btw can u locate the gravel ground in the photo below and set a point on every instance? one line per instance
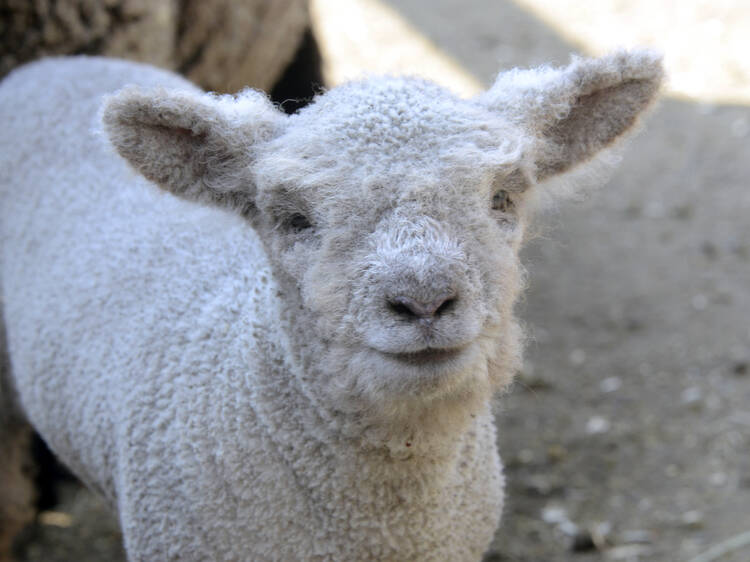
(627, 435)
(631, 418)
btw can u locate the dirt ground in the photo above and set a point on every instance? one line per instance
(627, 436)
(632, 414)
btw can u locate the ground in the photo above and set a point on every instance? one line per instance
(632, 413)
(626, 437)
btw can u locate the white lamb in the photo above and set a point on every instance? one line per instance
(290, 350)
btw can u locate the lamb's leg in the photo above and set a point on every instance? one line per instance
(16, 483)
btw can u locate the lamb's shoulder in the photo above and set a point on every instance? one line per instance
(232, 492)
(94, 254)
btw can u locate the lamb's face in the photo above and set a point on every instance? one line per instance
(392, 211)
(397, 211)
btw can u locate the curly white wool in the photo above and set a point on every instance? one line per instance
(294, 358)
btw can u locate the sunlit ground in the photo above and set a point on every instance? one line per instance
(706, 43)
(358, 37)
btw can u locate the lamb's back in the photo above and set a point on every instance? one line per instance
(127, 310)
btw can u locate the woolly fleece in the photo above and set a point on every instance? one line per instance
(294, 357)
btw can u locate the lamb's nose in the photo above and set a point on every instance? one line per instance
(413, 309)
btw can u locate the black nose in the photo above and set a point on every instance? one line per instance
(412, 309)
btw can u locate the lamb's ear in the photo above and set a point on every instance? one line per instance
(578, 110)
(197, 146)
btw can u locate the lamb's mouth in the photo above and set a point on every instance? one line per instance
(427, 356)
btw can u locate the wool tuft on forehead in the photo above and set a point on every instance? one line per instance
(390, 126)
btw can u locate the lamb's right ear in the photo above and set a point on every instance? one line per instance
(197, 146)
(574, 112)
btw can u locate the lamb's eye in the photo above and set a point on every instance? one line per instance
(298, 222)
(501, 201)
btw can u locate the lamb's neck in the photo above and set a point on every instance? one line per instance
(406, 457)
(327, 448)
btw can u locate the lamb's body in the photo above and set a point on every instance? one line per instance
(230, 396)
(203, 443)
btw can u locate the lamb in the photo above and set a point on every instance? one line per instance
(290, 350)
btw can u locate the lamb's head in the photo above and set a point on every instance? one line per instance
(391, 210)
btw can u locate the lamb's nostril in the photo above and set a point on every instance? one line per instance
(411, 309)
(445, 306)
(403, 306)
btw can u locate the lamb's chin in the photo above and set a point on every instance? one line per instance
(429, 359)
(428, 372)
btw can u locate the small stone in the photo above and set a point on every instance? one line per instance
(628, 552)
(655, 210)
(526, 456)
(568, 528)
(554, 514)
(601, 534)
(645, 504)
(556, 453)
(577, 357)
(538, 485)
(718, 478)
(691, 396)
(692, 519)
(699, 302)
(637, 536)
(740, 368)
(597, 425)
(558, 516)
(610, 384)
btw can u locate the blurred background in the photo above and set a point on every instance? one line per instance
(627, 434)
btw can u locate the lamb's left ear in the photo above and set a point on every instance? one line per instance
(578, 110)
(197, 146)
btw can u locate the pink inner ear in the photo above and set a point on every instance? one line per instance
(186, 133)
(597, 120)
(180, 134)
(183, 132)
